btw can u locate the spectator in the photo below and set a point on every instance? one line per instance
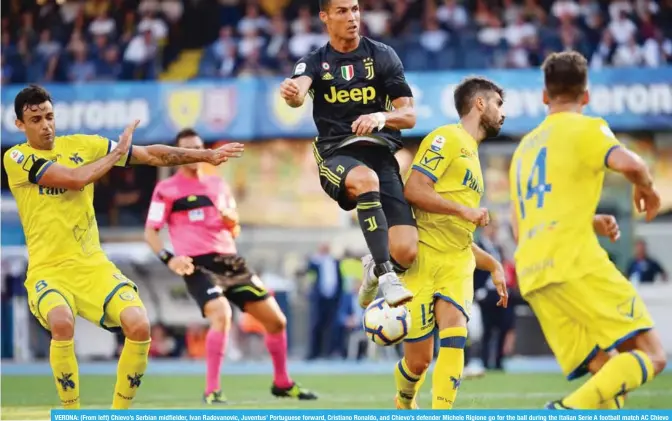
(140, 56)
(643, 268)
(82, 69)
(324, 299)
(152, 23)
(657, 51)
(376, 18)
(433, 38)
(497, 321)
(253, 21)
(622, 28)
(103, 24)
(628, 54)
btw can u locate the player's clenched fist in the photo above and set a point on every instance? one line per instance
(479, 217)
(606, 226)
(181, 265)
(289, 89)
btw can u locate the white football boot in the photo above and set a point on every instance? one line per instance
(369, 288)
(394, 292)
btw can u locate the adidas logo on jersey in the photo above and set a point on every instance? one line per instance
(327, 76)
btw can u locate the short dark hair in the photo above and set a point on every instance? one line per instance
(467, 89)
(30, 96)
(565, 74)
(324, 5)
(188, 132)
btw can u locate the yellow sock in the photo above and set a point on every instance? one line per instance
(449, 366)
(131, 368)
(407, 383)
(66, 372)
(621, 374)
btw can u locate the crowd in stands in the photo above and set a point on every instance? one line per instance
(93, 40)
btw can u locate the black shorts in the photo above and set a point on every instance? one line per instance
(216, 275)
(336, 167)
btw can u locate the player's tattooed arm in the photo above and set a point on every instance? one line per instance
(169, 156)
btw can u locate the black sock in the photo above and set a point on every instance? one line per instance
(399, 269)
(374, 226)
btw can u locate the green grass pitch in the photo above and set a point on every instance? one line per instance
(31, 397)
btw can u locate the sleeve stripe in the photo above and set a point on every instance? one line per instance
(128, 157)
(606, 157)
(42, 170)
(425, 172)
(109, 146)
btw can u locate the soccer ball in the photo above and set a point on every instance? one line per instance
(385, 325)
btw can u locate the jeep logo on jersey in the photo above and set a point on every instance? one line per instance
(348, 72)
(363, 95)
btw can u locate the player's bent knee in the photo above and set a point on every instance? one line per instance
(135, 324)
(418, 364)
(600, 360)
(61, 323)
(404, 252)
(361, 180)
(659, 360)
(218, 313)
(277, 325)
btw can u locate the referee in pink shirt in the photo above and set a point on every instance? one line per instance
(202, 221)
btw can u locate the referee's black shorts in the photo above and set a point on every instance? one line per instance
(216, 275)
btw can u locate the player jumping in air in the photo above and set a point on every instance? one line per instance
(68, 273)
(202, 220)
(361, 101)
(592, 317)
(445, 186)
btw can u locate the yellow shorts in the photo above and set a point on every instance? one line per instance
(98, 293)
(582, 316)
(438, 275)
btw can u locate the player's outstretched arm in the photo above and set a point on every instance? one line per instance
(633, 167)
(169, 156)
(50, 174)
(485, 261)
(419, 191)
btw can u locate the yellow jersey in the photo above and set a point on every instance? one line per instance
(556, 180)
(59, 224)
(449, 156)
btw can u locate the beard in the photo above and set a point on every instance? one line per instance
(490, 125)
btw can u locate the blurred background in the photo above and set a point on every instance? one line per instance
(216, 66)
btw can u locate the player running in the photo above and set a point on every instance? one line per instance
(361, 101)
(68, 273)
(445, 186)
(588, 311)
(202, 221)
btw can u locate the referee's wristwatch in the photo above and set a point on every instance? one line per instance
(165, 256)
